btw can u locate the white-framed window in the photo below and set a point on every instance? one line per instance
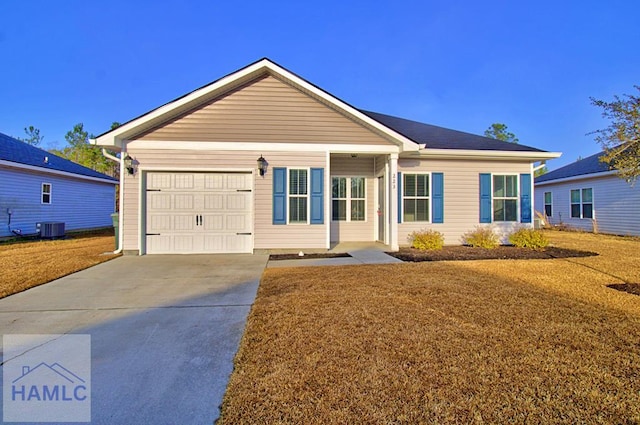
(348, 199)
(298, 195)
(46, 193)
(415, 197)
(582, 203)
(548, 204)
(505, 197)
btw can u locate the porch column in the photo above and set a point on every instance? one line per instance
(393, 202)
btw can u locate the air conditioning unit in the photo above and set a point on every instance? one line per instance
(51, 229)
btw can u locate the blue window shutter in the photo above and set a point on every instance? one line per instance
(317, 195)
(525, 198)
(437, 197)
(485, 198)
(279, 196)
(399, 185)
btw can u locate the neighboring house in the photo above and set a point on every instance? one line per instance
(334, 173)
(37, 186)
(588, 191)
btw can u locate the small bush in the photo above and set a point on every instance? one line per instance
(529, 238)
(427, 240)
(481, 237)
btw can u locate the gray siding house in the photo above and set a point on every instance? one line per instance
(37, 186)
(331, 173)
(588, 195)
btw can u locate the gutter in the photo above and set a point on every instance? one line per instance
(121, 195)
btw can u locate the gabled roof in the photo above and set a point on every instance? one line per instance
(583, 167)
(434, 137)
(23, 154)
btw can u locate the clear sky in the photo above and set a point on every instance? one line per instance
(459, 64)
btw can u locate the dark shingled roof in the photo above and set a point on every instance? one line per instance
(23, 153)
(589, 165)
(443, 138)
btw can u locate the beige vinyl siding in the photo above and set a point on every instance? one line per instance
(265, 110)
(615, 204)
(461, 195)
(266, 235)
(355, 231)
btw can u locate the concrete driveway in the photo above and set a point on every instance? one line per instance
(164, 331)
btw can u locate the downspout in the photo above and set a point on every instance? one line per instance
(121, 190)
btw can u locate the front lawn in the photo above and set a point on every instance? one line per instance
(28, 264)
(492, 341)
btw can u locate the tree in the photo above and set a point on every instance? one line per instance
(33, 136)
(540, 171)
(499, 131)
(621, 139)
(80, 151)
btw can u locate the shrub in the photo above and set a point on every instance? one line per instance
(427, 240)
(481, 237)
(529, 238)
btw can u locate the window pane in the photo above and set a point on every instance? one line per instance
(498, 210)
(297, 182)
(409, 210)
(512, 186)
(510, 210)
(339, 187)
(575, 210)
(575, 196)
(46, 198)
(357, 187)
(422, 210)
(409, 185)
(587, 211)
(339, 210)
(547, 197)
(498, 186)
(46, 188)
(547, 210)
(297, 210)
(422, 185)
(587, 195)
(357, 210)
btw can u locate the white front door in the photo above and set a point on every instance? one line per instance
(189, 213)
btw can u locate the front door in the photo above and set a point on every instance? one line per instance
(381, 192)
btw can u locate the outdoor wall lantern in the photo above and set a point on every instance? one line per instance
(262, 165)
(128, 164)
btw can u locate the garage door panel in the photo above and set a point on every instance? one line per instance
(199, 212)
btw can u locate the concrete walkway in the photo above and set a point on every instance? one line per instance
(164, 331)
(358, 256)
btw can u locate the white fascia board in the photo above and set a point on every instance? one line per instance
(56, 172)
(191, 100)
(261, 147)
(487, 154)
(580, 177)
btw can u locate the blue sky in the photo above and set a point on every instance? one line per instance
(457, 64)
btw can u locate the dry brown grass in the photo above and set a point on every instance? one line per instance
(28, 264)
(495, 341)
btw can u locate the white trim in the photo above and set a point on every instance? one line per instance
(227, 83)
(42, 193)
(387, 203)
(428, 198)
(195, 169)
(580, 177)
(327, 202)
(487, 154)
(56, 172)
(393, 200)
(517, 197)
(308, 196)
(261, 146)
(349, 198)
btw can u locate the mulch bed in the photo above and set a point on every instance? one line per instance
(275, 257)
(632, 288)
(457, 253)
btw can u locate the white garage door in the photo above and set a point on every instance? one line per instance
(191, 213)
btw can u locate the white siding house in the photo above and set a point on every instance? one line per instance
(37, 186)
(588, 195)
(333, 173)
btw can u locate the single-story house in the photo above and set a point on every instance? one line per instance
(589, 195)
(37, 186)
(329, 172)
